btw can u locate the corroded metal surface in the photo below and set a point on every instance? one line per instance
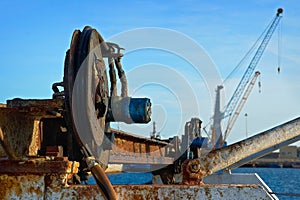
(53, 186)
(124, 142)
(129, 148)
(38, 166)
(8, 151)
(251, 159)
(37, 107)
(195, 170)
(20, 132)
(54, 173)
(26, 186)
(22, 126)
(164, 192)
(34, 178)
(39, 178)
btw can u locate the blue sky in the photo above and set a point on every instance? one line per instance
(36, 34)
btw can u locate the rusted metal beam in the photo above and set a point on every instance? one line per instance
(38, 166)
(37, 107)
(194, 170)
(263, 153)
(129, 158)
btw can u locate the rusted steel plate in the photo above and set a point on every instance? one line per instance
(36, 107)
(20, 132)
(82, 192)
(39, 187)
(38, 166)
(8, 151)
(165, 192)
(22, 187)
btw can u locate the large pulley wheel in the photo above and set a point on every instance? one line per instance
(86, 101)
(86, 89)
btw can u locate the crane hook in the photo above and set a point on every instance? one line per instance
(259, 85)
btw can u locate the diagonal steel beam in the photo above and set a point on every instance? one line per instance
(194, 170)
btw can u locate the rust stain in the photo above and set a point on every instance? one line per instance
(221, 193)
(38, 166)
(21, 186)
(207, 192)
(191, 176)
(52, 186)
(17, 129)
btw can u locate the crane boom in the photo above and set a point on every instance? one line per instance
(247, 75)
(216, 132)
(240, 105)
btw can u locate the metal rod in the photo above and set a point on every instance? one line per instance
(263, 153)
(223, 158)
(104, 182)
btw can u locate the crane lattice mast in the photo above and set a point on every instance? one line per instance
(241, 104)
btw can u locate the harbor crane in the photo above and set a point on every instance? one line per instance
(240, 95)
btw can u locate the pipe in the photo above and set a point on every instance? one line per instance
(102, 181)
(129, 110)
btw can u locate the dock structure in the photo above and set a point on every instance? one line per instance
(49, 147)
(43, 172)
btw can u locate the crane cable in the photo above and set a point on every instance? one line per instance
(279, 46)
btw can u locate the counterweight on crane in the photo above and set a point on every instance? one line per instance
(231, 109)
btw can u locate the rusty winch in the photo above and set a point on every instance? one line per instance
(82, 110)
(89, 103)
